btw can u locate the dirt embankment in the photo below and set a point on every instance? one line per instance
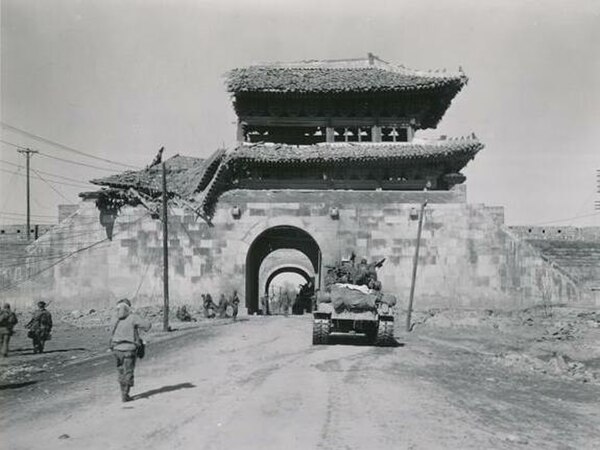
(557, 340)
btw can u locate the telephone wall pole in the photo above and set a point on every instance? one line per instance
(414, 271)
(28, 152)
(165, 250)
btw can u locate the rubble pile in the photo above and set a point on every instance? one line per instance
(560, 341)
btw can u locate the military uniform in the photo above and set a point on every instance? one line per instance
(209, 306)
(222, 306)
(124, 341)
(235, 302)
(40, 328)
(8, 320)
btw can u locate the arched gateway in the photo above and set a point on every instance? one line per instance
(275, 238)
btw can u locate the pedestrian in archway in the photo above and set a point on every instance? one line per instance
(125, 342)
(8, 320)
(40, 327)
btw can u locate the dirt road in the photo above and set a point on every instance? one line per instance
(260, 384)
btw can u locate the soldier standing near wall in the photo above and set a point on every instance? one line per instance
(40, 327)
(8, 320)
(209, 306)
(235, 302)
(124, 343)
(222, 307)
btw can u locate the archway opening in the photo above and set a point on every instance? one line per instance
(283, 292)
(269, 241)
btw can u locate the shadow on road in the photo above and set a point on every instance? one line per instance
(357, 340)
(16, 385)
(29, 351)
(164, 389)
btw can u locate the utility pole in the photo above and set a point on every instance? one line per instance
(28, 152)
(414, 271)
(165, 250)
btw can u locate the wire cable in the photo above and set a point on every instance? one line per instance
(50, 186)
(51, 181)
(64, 147)
(45, 173)
(69, 161)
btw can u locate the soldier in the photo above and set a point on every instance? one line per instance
(183, 314)
(235, 302)
(124, 342)
(8, 320)
(209, 306)
(361, 276)
(222, 307)
(286, 302)
(40, 327)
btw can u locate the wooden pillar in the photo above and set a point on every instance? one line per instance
(410, 134)
(376, 133)
(329, 134)
(240, 132)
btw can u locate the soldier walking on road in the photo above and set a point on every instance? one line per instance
(8, 320)
(124, 343)
(40, 327)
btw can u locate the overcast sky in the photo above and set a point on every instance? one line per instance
(119, 79)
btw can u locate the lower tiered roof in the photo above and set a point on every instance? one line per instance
(198, 183)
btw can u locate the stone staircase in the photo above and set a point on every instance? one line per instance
(578, 259)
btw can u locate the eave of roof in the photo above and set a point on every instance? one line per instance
(209, 178)
(343, 152)
(338, 77)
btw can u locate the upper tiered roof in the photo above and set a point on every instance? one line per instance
(339, 76)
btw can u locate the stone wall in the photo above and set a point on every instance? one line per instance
(468, 257)
(557, 232)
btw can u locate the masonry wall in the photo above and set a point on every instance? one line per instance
(468, 257)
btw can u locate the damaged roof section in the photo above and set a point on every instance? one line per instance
(185, 176)
(198, 183)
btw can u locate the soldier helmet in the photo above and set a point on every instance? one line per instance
(41, 304)
(126, 301)
(363, 261)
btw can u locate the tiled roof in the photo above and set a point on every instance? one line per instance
(360, 75)
(356, 152)
(201, 182)
(186, 175)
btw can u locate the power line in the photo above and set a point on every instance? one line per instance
(50, 186)
(51, 181)
(58, 158)
(46, 173)
(565, 220)
(77, 162)
(10, 213)
(39, 272)
(64, 147)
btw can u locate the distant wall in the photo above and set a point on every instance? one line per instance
(557, 233)
(468, 257)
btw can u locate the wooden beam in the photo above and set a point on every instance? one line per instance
(376, 133)
(329, 134)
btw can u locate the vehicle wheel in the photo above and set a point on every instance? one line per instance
(320, 331)
(385, 333)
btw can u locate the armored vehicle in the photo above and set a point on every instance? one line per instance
(352, 302)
